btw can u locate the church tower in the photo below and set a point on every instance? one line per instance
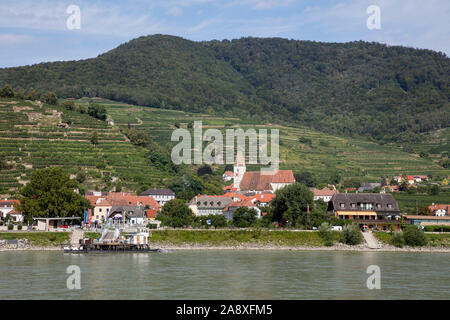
(239, 170)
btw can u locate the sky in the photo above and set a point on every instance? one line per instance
(37, 31)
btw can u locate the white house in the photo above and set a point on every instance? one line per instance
(7, 208)
(325, 194)
(160, 195)
(227, 176)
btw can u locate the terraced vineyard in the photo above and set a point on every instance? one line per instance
(324, 154)
(30, 138)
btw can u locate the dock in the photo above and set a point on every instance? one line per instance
(113, 239)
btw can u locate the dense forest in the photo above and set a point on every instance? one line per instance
(386, 93)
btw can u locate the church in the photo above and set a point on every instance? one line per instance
(260, 182)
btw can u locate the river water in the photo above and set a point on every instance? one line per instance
(225, 274)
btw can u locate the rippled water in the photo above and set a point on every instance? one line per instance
(225, 275)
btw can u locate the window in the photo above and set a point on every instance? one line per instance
(353, 205)
(99, 209)
(389, 205)
(342, 205)
(378, 205)
(211, 203)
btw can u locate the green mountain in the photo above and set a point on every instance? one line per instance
(351, 89)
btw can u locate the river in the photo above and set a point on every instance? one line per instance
(225, 274)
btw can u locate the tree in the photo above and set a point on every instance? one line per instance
(403, 186)
(244, 217)
(326, 234)
(32, 95)
(81, 176)
(305, 177)
(414, 236)
(290, 204)
(398, 239)
(351, 234)
(50, 193)
(423, 211)
(97, 111)
(219, 221)
(434, 190)
(7, 92)
(176, 214)
(94, 138)
(50, 98)
(69, 105)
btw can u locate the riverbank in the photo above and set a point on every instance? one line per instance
(227, 239)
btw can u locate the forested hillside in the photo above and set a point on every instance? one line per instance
(352, 89)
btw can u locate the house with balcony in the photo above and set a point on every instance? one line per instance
(373, 211)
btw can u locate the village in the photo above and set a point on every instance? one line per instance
(371, 206)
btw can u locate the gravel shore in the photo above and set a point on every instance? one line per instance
(337, 247)
(24, 245)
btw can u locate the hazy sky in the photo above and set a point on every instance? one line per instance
(36, 31)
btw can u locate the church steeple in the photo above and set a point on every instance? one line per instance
(238, 170)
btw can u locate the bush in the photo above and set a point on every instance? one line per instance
(437, 228)
(50, 98)
(10, 226)
(397, 239)
(19, 227)
(7, 92)
(152, 225)
(414, 236)
(326, 234)
(351, 234)
(244, 217)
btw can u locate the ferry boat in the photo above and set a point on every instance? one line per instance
(114, 239)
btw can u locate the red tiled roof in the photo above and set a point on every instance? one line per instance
(93, 199)
(151, 213)
(230, 187)
(255, 180)
(124, 199)
(324, 192)
(283, 176)
(434, 207)
(243, 203)
(9, 202)
(263, 197)
(235, 195)
(13, 211)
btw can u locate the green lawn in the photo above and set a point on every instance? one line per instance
(38, 238)
(237, 237)
(433, 239)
